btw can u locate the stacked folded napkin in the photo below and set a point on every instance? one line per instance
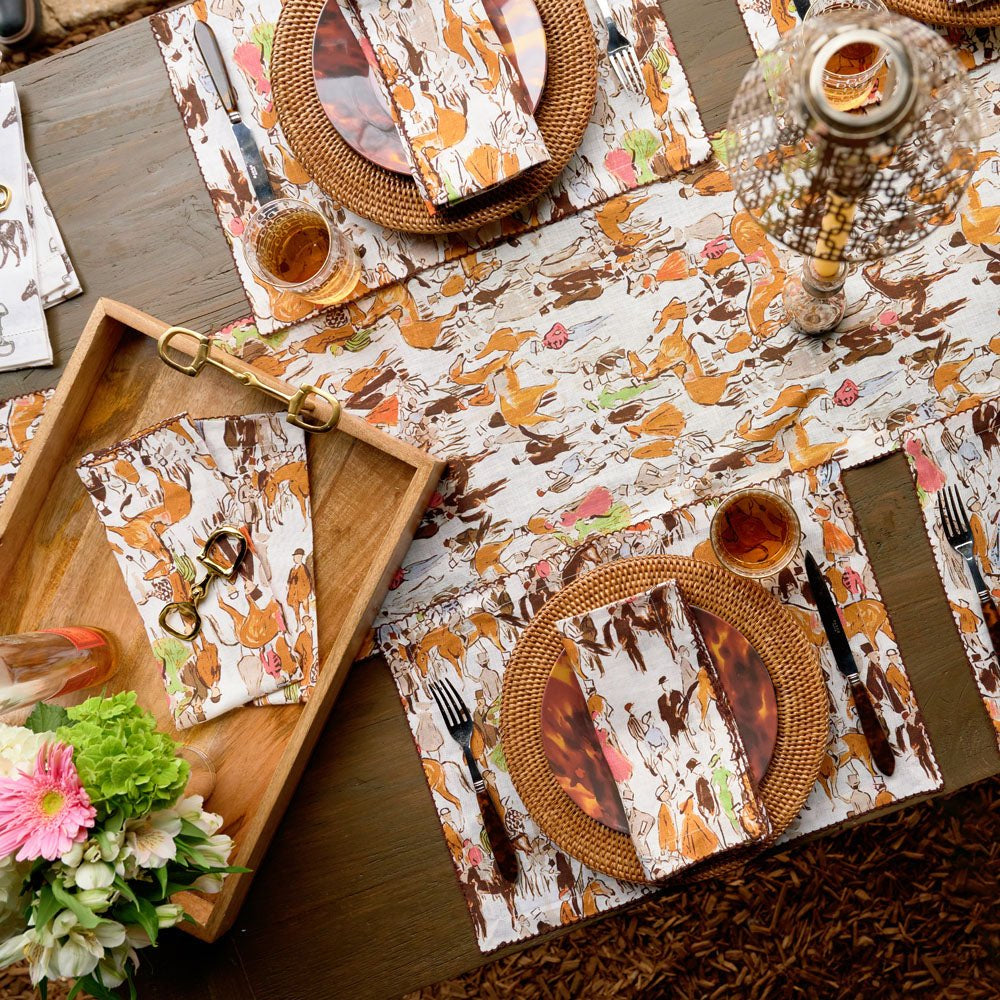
(160, 495)
(459, 105)
(676, 754)
(35, 270)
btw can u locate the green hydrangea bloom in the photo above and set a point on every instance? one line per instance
(125, 764)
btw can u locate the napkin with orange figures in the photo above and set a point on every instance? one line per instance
(159, 496)
(459, 105)
(680, 766)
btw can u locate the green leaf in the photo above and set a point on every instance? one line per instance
(43, 989)
(142, 913)
(86, 916)
(46, 907)
(123, 887)
(94, 985)
(46, 718)
(161, 877)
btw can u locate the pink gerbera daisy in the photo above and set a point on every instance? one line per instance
(43, 814)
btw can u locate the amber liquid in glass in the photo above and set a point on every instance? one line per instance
(852, 74)
(753, 533)
(37, 666)
(294, 248)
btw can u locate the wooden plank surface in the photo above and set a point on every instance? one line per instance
(357, 896)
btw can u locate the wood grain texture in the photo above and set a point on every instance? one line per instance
(357, 896)
(57, 566)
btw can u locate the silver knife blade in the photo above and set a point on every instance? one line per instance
(830, 618)
(208, 46)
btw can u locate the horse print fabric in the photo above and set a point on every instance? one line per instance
(160, 495)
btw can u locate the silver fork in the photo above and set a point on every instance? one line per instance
(958, 532)
(459, 724)
(621, 52)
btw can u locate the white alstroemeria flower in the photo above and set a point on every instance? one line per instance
(94, 875)
(97, 900)
(208, 884)
(168, 914)
(136, 936)
(192, 809)
(74, 856)
(12, 949)
(79, 954)
(111, 968)
(216, 850)
(151, 840)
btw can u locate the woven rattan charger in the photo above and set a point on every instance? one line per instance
(946, 15)
(392, 200)
(791, 661)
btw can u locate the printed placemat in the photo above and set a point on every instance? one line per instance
(632, 140)
(470, 639)
(19, 419)
(963, 451)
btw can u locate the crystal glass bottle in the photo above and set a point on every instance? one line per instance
(37, 666)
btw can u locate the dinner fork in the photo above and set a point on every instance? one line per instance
(459, 724)
(957, 530)
(621, 52)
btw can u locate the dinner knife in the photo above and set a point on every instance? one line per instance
(871, 725)
(208, 46)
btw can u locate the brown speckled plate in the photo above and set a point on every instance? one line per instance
(574, 749)
(357, 110)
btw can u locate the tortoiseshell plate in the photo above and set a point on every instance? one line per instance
(574, 750)
(357, 110)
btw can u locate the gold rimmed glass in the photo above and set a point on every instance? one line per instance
(755, 533)
(853, 73)
(293, 248)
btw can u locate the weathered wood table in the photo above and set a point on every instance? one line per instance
(357, 897)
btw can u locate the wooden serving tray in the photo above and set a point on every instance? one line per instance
(368, 493)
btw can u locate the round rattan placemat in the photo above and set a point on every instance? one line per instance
(791, 660)
(393, 200)
(946, 15)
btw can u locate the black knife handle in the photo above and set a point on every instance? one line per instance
(208, 46)
(504, 855)
(871, 726)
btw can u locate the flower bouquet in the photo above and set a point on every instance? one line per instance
(95, 839)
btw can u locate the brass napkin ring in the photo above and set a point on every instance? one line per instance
(6, 196)
(187, 611)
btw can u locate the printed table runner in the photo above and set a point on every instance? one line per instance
(635, 357)
(470, 639)
(964, 451)
(632, 140)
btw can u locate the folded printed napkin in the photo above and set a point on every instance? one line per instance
(35, 270)
(670, 736)
(160, 495)
(459, 104)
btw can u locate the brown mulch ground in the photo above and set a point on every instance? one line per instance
(908, 905)
(83, 33)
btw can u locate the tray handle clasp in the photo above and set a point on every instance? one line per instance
(297, 402)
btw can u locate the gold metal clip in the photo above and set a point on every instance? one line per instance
(187, 611)
(297, 402)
